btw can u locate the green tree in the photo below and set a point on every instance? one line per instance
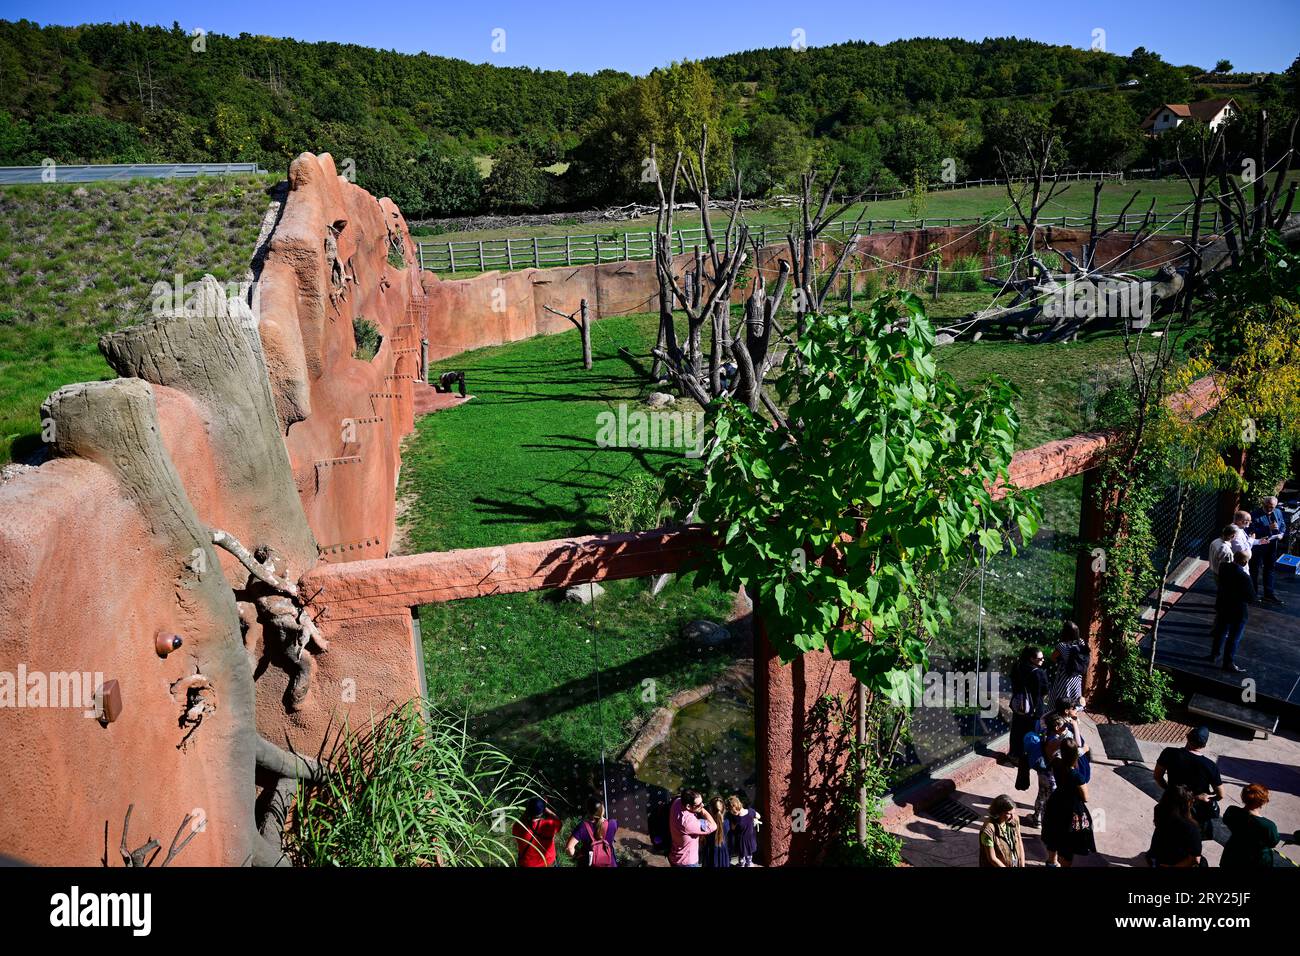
(839, 525)
(516, 183)
(772, 154)
(914, 148)
(667, 109)
(1101, 130)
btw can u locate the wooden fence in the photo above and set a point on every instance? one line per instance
(485, 255)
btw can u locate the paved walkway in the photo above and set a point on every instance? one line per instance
(1121, 799)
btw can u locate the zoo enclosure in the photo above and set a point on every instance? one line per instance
(541, 252)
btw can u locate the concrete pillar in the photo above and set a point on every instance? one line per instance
(800, 767)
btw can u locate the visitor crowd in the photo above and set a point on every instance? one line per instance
(694, 834)
(1049, 745)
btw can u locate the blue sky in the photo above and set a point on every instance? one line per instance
(636, 35)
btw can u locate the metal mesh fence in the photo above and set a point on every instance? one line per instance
(1184, 523)
(1000, 604)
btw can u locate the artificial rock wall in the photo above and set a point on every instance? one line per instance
(269, 430)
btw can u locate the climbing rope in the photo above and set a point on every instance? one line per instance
(600, 701)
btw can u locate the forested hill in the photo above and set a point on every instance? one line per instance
(423, 129)
(815, 82)
(260, 98)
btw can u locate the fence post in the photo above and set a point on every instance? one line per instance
(586, 335)
(510, 258)
(537, 259)
(626, 254)
(451, 256)
(481, 267)
(568, 250)
(419, 254)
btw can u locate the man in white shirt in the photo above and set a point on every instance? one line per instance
(1242, 543)
(1221, 549)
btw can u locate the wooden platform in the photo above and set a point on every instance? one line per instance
(1269, 650)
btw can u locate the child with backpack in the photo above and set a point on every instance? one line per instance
(592, 841)
(1038, 761)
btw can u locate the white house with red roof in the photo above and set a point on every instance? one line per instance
(1171, 115)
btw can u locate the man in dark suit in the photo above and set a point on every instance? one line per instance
(1268, 525)
(1236, 593)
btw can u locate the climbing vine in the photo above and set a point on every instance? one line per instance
(865, 781)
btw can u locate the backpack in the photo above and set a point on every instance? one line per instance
(601, 852)
(1020, 703)
(1034, 750)
(1077, 660)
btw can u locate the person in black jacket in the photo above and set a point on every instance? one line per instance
(1236, 593)
(1177, 837)
(1187, 766)
(1028, 689)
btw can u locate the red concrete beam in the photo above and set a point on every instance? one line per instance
(382, 586)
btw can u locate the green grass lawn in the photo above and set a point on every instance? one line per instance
(520, 462)
(981, 202)
(77, 260)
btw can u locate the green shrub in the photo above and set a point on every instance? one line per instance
(636, 504)
(410, 791)
(1144, 694)
(1268, 463)
(367, 338)
(965, 274)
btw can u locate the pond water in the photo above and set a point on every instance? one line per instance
(710, 747)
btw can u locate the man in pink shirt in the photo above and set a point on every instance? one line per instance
(688, 820)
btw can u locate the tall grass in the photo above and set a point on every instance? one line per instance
(964, 274)
(412, 790)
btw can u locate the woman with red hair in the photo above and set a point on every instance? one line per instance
(1253, 835)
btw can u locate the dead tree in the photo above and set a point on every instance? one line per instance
(1037, 152)
(1245, 221)
(582, 322)
(706, 296)
(810, 292)
(751, 346)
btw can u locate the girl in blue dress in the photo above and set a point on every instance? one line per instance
(744, 830)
